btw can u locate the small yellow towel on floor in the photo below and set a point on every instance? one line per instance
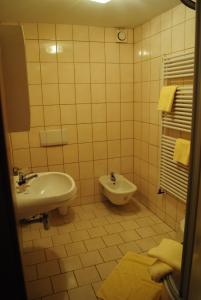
(159, 270)
(169, 252)
(182, 151)
(167, 98)
(131, 280)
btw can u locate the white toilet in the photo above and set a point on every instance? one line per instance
(117, 189)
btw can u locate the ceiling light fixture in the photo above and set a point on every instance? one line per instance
(101, 1)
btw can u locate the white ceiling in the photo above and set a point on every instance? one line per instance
(118, 13)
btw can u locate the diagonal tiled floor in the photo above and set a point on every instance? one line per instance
(71, 259)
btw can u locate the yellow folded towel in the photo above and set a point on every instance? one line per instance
(159, 270)
(166, 98)
(182, 151)
(169, 252)
(131, 280)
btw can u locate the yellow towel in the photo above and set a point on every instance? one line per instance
(159, 270)
(166, 98)
(182, 151)
(169, 252)
(131, 280)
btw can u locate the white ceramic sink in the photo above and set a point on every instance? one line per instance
(45, 192)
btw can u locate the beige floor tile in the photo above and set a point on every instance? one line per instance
(58, 296)
(99, 221)
(94, 244)
(63, 282)
(97, 232)
(146, 244)
(97, 285)
(86, 215)
(75, 248)
(79, 235)
(82, 293)
(106, 268)
(112, 239)
(51, 231)
(145, 232)
(158, 238)
(34, 257)
(48, 269)
(27, 246)
(129, 246)
(155, 219)
(30, 235)
(161, 228)
(113, 228)
(55, 252)
(61, 239)
(70, 263)
(39, 288)
(66, 228)
(130, 235)
(91, 258)
(43, 243)
(110, 253)
(30, 273)
(87, 275)
(129, 225)
(114, 218)
(82, 225)
(143, 222)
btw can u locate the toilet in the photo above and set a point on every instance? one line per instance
(116, 188)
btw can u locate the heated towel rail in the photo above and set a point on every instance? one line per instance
(177, 123)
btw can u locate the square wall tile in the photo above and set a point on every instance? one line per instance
(64, 32)
(66, 73)
(35, 94)
(33, 70)
(70, 153)
(98, 92)
(54, 155)
(84, 133)
(83, 113)
(65, 51)
(52, 115)
(32, 50)
(36, 116)
(97, 52)
(68, 114)
(81, 51)
(67, 93)
(99, 132)
(80, 33)
(50, 94)
(30, 30)
(83, 93)
(96, 34)
(99, 112)
(46, 31)
(82, 73)
(38, 157)
(48, 51)
(49, 72)
(97, 72)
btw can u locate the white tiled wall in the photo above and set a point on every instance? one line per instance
(85, 86)
(167, 33)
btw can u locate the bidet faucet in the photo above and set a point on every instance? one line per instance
(112, 177)
(24, 178)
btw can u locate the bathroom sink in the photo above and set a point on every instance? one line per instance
(47, 191)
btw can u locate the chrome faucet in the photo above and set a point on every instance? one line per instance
(112, 177)
(24, 178)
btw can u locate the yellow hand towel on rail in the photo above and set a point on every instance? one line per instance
(182, 151)
(169, 252)
(167, 98)
(159, 270)
(131, 280)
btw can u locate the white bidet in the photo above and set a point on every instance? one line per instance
(117, 188)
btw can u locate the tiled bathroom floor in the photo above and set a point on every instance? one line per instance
(73, 257)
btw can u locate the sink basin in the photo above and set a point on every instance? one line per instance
(47, 191)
